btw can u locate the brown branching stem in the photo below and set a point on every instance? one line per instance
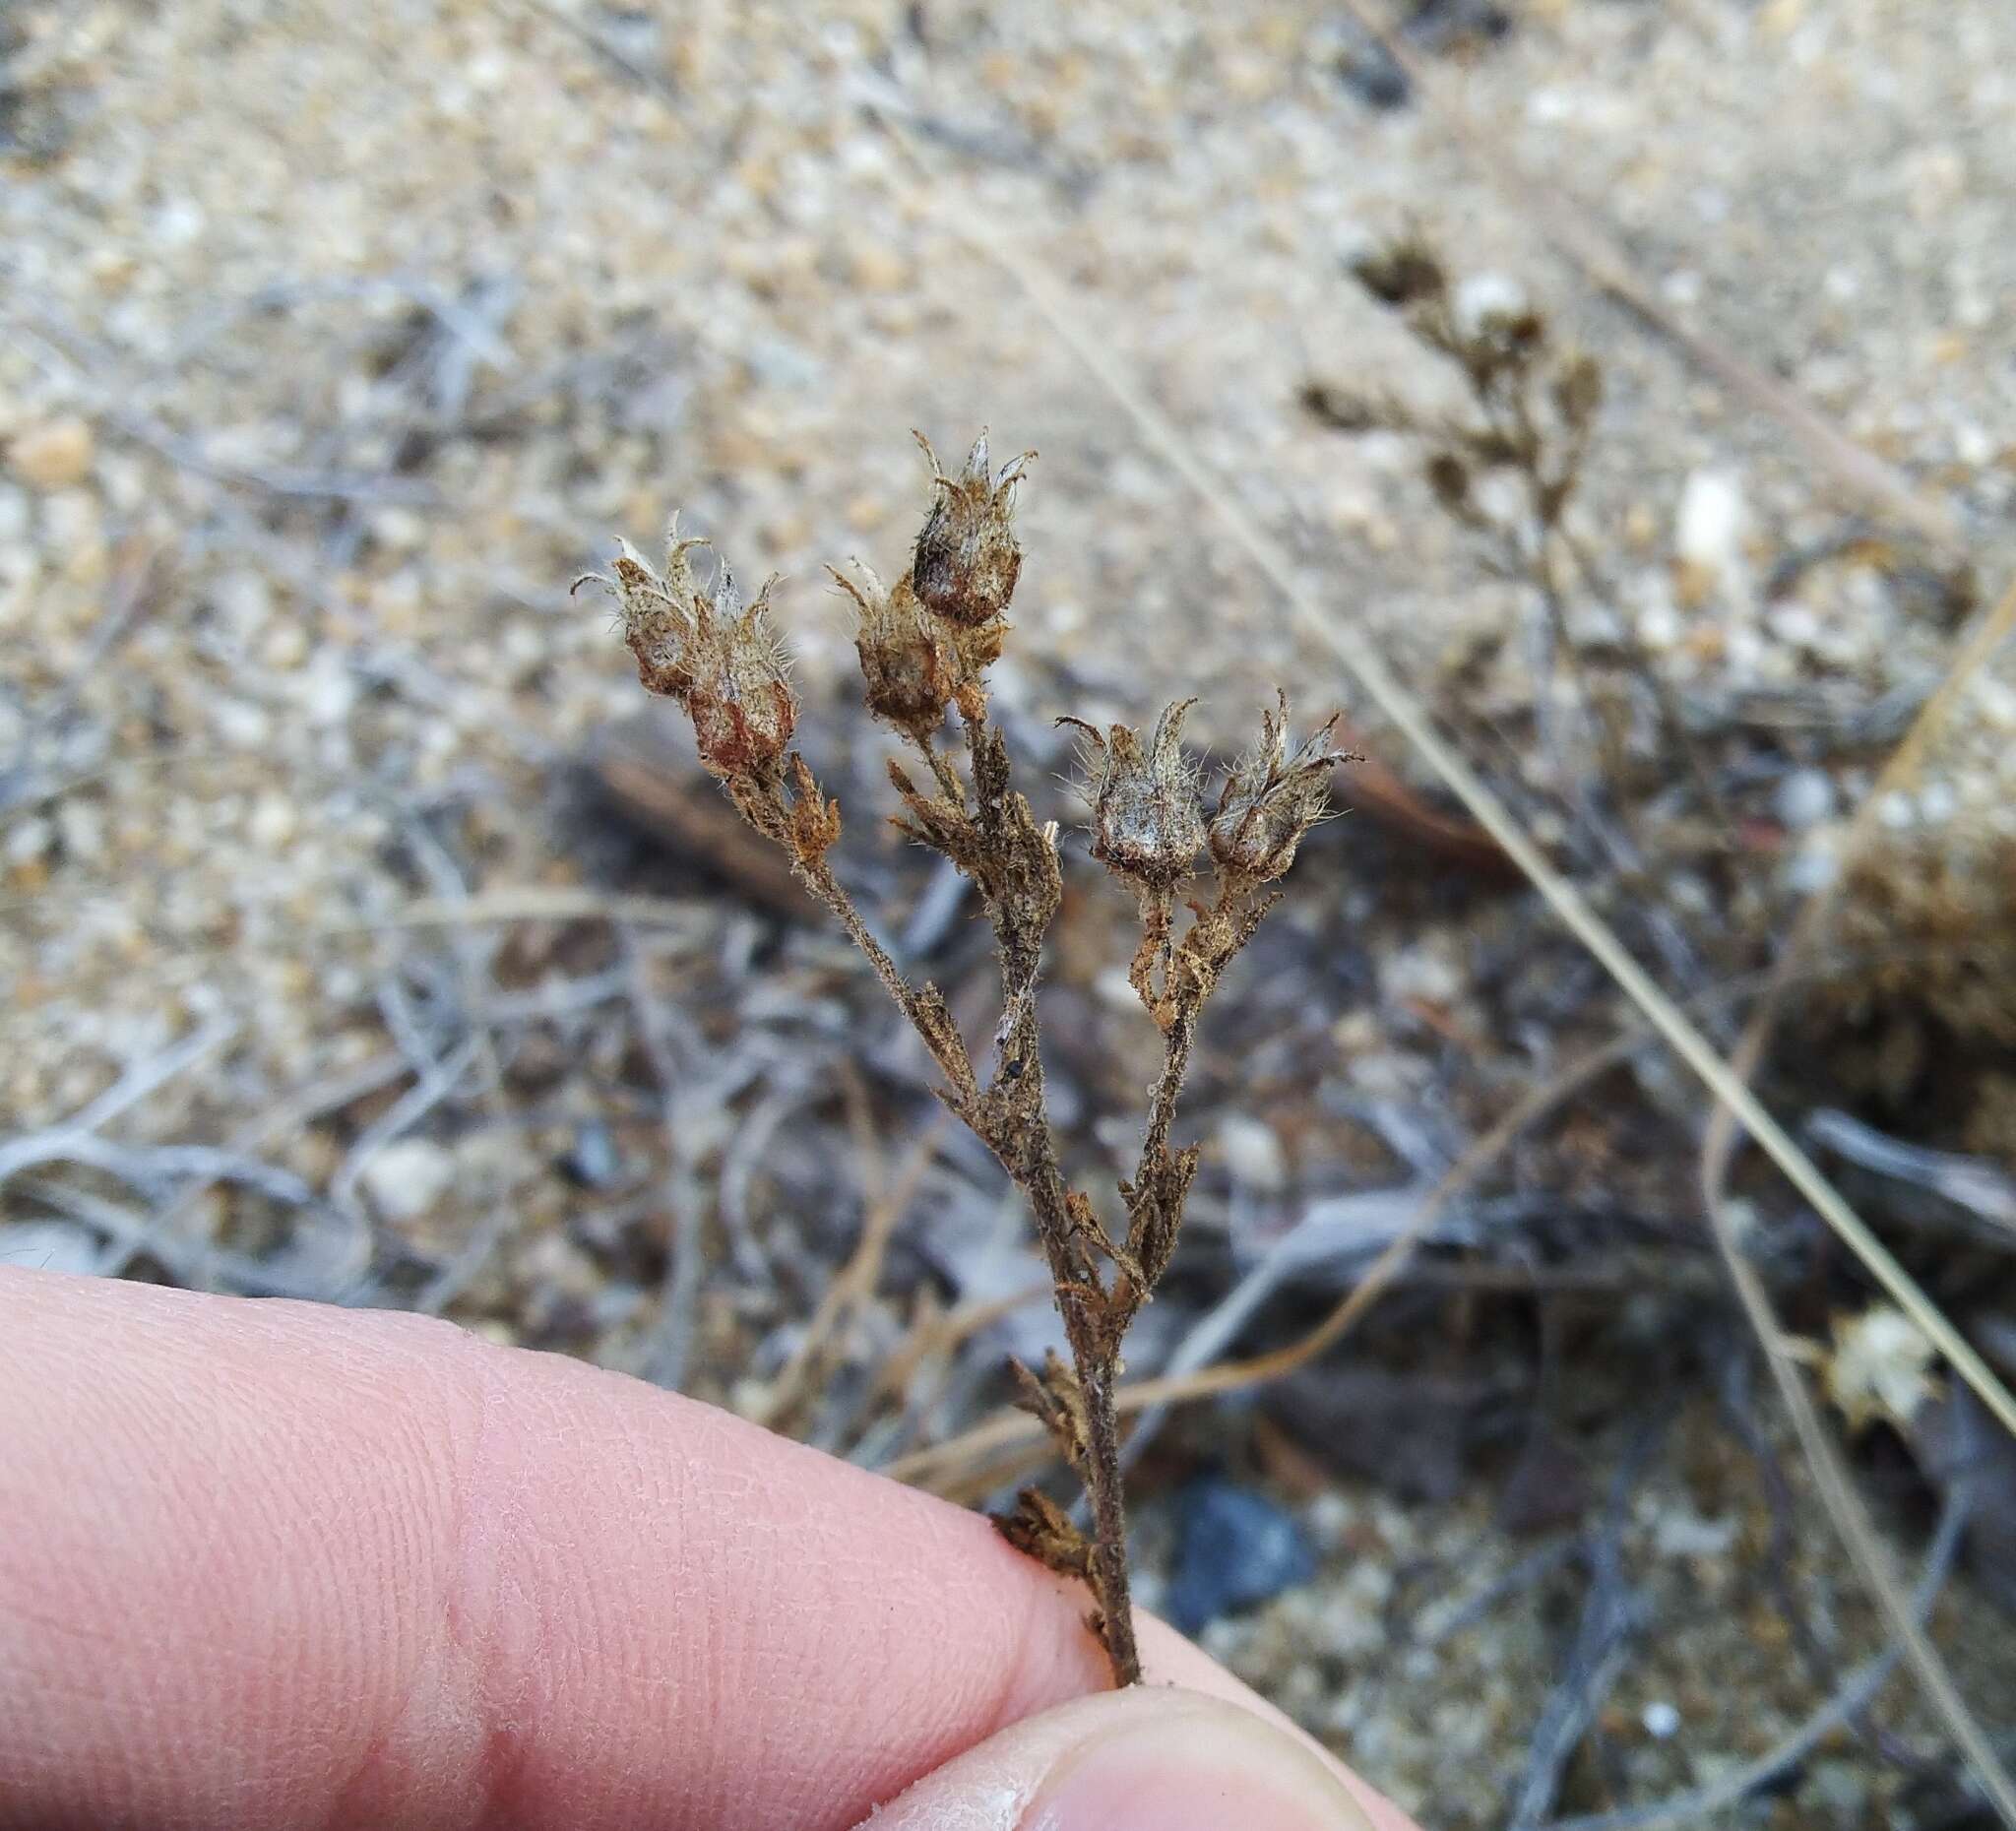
(924, 645)
(942, 769)
(923, 1007)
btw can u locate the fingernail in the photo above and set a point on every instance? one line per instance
(1211, 1769)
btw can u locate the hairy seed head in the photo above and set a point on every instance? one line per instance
(721, 663)
(1400, 273)
(743, 708)
(1271, 799)
(966, 557)
(658, 610)
(1147, 823)
(908, 677)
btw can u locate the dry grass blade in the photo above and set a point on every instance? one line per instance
(1851, 1519)
(522, 902)
(1718, 1148)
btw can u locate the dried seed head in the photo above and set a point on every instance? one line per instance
(966, 558)
(1400, 273)
(1449, 477)
(1147, 823)
(721, 661)
(658, 610)
(743, 708)
(1578, 390)
(910, 678)
(1271, 799)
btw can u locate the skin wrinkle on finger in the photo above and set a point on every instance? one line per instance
(330, 1567)
(193, 1654)
(440, 1706)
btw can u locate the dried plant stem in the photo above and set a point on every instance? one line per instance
(1104, 1488)
(923, 1007)
(1027, 1151)
(1162, 1108)
(924, 645)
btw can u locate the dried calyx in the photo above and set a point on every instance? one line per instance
(908, 674)
(966, 558)
(924, 645)
(721, 663)
(1271, 799)
(1147, 824)
(1400, 273)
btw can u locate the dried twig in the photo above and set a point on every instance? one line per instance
(926, 645)
(1981, 1188)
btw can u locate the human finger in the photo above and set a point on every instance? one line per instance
(276, 1564)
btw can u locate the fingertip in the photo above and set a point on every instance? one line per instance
(1149, 1758)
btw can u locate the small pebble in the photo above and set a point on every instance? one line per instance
(56, 455)
(1484, 297)
(1811, 870)
(592, 1159)
(81, 825)
(407, 1178)
(274, 820)
(1425, 972)
(879, 269)
(1253, 1153)
(28, 840)
(1661, 1720)
(1804, 799)
(1367, 69)
(1795, 623)
(1234, 1549)
(1896, 811)
(1710, 524)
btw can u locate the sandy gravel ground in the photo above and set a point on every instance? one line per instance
(338, 339)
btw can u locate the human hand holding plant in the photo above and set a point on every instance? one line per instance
(926, 644)
(274, 1565)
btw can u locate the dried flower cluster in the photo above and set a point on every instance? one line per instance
(924, 645)
(1534, 404)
